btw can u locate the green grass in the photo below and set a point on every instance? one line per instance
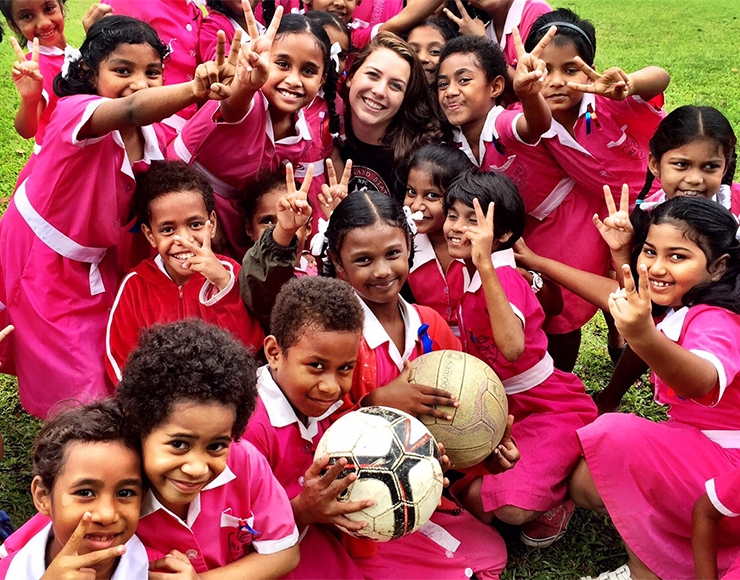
(695, 40)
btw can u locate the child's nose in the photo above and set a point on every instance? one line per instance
(196, 467)
(105, 512)
(139, 82)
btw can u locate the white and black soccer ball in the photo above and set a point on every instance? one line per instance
(397, 463)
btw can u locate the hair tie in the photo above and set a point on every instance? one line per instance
(737, 231)
(569, 26)
(70, 55)
(318, 239)
(334, 55)
(411, 218)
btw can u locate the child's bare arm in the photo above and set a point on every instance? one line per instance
(468, 26)
(30, 84)
(705, 521)
(256, 566)
(550, 296)
(615, 84)
(629, 368)
(410, 16)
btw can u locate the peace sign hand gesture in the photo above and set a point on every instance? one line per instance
(632, 310)
(530, 68)
(253, 66)
(26, 74)
(204, 260)
(213, 78)
(616, 229)
(70, 565)
(468, 26)
(333, 193)
(480, 235)
(613, 83)
(293, 209)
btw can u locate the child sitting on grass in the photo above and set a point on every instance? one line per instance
(175, 205)
(188, 391)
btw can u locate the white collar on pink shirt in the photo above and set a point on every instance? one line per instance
(557, 130)
(375, 334)
(723, 197)
(498, 259)
(672, 323)
(301, 128)
(424, 252)
(151, 504)
(279, 409)
(487, 135)
(513, 18)
(46, 50)
(29, 562)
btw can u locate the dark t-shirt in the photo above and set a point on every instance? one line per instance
(373, 168)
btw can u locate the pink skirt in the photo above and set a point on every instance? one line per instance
(649, 476)
(569, 236)
(546, 418)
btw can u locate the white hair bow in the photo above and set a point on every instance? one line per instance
(334, 55)
(412, 217)
(70, 55)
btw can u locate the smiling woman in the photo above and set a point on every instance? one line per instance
(390, 115)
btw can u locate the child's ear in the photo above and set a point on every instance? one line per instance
(273, 352)
(654, 165)
(717, 269)
(148, 235)
(13, 27)
(214, 223)
(41, 497)
(505, 238)
(497, 87)
(341, 274)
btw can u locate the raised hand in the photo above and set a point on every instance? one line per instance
(204, 260)
(468, 26)
(293, 209)
(95, 13)
(70, 565)
(632, 310)
(530, 68)
(255, 53)
(525, 257)
(317, 501)
(616, 229)
(334, 192)
(412, 398)
(174, 566)
(506, 453)
(613, 83)
(480, 235)
(213, 79)
(26, 74)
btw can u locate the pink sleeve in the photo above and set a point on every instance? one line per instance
(713, 334)
(363, 36)
(724, 493)
(506, 129)
(517, 291)
(273, 515)
(533, 9)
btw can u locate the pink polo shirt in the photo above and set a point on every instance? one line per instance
(208, 37)
(723, 493)
(522, 14)
(433, 287)
(242, 510)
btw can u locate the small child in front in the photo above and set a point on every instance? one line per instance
(175, 205)
(188, 391)
(87, 487)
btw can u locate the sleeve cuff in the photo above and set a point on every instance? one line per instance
(272, 546)
(205, 296)
(717, 364)
(269, 244)
(718, 505)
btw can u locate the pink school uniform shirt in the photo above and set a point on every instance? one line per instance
(522, 14)
(208, 36)
(243, 510)
(723, 493)
(232, 154)
(433, 287)
(289, 446)
(61, 239)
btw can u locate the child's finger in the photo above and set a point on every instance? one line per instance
(347, 524)
(252, 29)
(290, 178)
(325, 195)
(207, 237)
(644, 282)
(333, 472)
(18, 50)
(98, 556)
(624, 201)
(478, 211)
(581, 87)
(590, 73)
(597, 222)
(544, 41)
(35, 50)
(489, 214)
(73, 544)
(609, 199)
(274, 24)
(314, 470)
(629, 281)
(347, 173)
(452, 17)
(6, 331)
(307, 181)
(190, 245)
(518, 45)
(220, 48)
(330, 172)
(236, 44)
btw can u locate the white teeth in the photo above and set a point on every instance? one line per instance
(184, 255)
(660, 284)
(373, 105)
(289, 94)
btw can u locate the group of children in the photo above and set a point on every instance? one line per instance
(332, 201)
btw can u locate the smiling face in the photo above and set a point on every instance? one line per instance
(187, 452)
(423, 195)
(342, 8)
(427, 43)
(561, 69)
(458, 217)
(296, 72)
(103, 479)
(693, 170)
(674, 263)
(183, 214)
(128, 69)
(374, 260)
(316, 371)
(465, 95)
(43, 19)
(377, 90)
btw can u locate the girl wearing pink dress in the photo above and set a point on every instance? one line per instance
(501, 323)
(65, 231)
(648, 475)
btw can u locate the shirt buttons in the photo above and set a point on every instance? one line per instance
(604, 174)
(189, 27)
(468, 572)
(301, 480)
(190, 77)
(191, 554)
(307, 448)
(449, 554)
(192, 53)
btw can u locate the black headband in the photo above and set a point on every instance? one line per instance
(570, 27)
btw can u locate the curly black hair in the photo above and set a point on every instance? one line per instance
(324, 304)
(187, 360)
(97, 422)
(169, 177)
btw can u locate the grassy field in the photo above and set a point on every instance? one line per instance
(695, 40)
